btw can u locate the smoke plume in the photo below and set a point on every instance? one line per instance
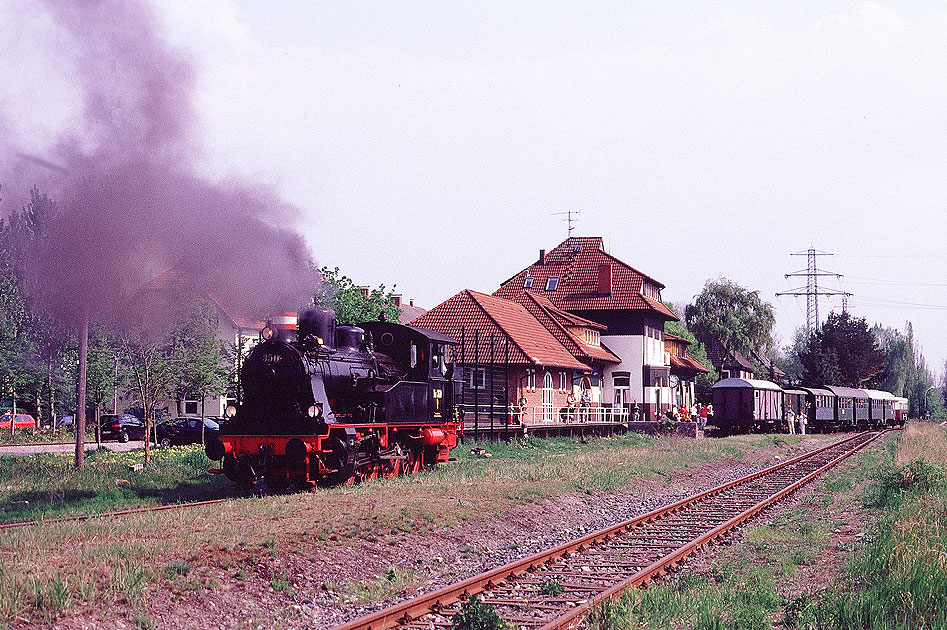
(131, 201)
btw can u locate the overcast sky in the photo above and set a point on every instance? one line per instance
(431, 144)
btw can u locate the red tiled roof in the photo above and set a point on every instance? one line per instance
(576, 263)
(410, 313)
(554, 320)
(687, 363)
(668, 335)
(529, 342)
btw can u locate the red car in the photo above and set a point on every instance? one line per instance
(23, 421)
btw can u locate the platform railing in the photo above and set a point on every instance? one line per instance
(487, 415)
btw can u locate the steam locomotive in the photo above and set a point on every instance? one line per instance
(324, 404)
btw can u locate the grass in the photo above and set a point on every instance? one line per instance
(47, 485)
(896, 577)
(105, 563)
(41, 436)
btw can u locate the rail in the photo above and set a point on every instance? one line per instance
(542, 415)
(601, 565)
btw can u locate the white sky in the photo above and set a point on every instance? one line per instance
(429, 143)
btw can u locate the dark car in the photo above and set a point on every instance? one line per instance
(185, 431)
(122, 427)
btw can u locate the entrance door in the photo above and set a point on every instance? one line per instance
(548, 412)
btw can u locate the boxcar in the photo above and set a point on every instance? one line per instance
(747, 404)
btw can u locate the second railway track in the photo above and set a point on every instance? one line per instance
(600, 565)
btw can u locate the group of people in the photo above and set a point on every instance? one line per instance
(797, 421)
(697, 412)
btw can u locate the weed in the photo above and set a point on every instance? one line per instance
(280, 584)
(551, 588)
(476, 615)
(919, 475)
(128, 581)
(177, 567)
(393, 581)
(142, 621)
(794, 609)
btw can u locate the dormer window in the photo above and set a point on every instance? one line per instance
(592, 337)
(528, 283)
(552, 282)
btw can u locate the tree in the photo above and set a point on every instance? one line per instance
(907, 373)
(101, 373)
(151, 373)
(843, 351)
(350, 302)
(697, 349)
(727, 314)
(198, 353)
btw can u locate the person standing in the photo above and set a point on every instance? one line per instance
(702, 413)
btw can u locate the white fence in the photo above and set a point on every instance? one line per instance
(542, 415)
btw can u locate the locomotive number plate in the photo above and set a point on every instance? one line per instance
(272, 358)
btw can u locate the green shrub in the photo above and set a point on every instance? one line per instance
(917, 476)
(476, 615)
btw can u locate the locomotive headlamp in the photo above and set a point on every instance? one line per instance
(267, 333)
(230, 411)
(315, 411)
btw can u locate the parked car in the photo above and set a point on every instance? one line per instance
(122, 427)
(23, 421)
(185, 431)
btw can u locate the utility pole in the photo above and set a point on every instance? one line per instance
(811, 290)
(568, 214)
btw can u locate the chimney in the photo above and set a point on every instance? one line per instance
(542, 257)
(605, 279)
(364, 290)
(397, 300)
(410, 302)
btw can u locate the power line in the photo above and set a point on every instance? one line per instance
(811, 290)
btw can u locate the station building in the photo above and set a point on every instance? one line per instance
(579, 277)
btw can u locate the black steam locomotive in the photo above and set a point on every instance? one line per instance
(325, 404)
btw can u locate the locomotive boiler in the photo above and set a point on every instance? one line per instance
(325, 404)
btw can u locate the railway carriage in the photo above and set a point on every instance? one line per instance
(881, 410)
(756, 405)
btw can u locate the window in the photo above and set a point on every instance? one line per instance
(563, 381)
(592, 337)
(190, 406)
(552, 282)
(414, 355)
(478, 378)
(530, 380)
(528, 283)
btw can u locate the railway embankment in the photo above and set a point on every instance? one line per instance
(315, 560)
(862, 548)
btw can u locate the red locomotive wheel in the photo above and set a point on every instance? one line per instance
(369, 471)
(415, 460)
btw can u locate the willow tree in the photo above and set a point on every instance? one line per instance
(727, 314)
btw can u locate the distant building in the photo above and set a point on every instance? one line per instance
(236, 331)
(409, 312)
(581, 278)
(730, 363)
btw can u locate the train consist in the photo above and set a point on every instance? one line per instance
(755, 405)
(324, 404)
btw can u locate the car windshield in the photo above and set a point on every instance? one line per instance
(210, 424)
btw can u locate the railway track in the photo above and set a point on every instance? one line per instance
(555, 588)
(135, 510)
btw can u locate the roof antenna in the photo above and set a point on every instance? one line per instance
(571, 216)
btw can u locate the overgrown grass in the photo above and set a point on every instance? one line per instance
(896, 579)
(108, 562)
(47, 485)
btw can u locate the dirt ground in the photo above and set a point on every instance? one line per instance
(319, 589)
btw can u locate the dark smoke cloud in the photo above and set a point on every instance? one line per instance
(132, 202)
